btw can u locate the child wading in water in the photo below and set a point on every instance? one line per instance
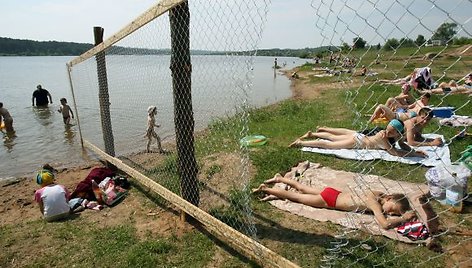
(150, 132)
(66, 111)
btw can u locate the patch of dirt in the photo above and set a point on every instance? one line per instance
(220, 173)
(17, 205)
(465, 50)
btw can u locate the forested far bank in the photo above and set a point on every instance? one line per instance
(21, 47)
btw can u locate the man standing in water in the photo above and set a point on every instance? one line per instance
(41, 95)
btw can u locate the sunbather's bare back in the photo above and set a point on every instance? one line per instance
(378, 141)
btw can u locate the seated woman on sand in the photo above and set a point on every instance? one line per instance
(341, 138)
(380, 204)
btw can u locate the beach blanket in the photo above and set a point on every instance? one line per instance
(84, 188)
(457, 121)
(317, 176)
(436, 155)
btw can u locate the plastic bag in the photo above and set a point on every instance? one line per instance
(448, 177)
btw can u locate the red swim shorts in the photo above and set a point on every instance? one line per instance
(330, 195)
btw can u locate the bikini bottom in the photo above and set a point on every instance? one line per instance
(330, 195)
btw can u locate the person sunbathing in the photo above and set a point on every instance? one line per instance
(341, 138)
(402, 100)
(421, 103)
(386, 112)
(450, 88)
(376, 202)
(468, 80)
(414, 127)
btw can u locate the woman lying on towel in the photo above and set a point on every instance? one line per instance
(341, 138)
(378, 203)
(450, 88)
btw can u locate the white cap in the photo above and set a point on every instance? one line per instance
(151, 109)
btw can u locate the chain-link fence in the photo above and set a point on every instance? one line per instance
(171, 94)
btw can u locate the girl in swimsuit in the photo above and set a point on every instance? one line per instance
(384, 111)
(403, 100)
(150, 132)
(378, 203)
(341, 138)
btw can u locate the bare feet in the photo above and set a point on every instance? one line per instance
(269, 198)
(296, 143)
(259, 189)
(273, 180)
(321, 129)
(307, 135)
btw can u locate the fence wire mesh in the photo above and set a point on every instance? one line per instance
(367, 50)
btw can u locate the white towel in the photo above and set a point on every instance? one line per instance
(436, 155)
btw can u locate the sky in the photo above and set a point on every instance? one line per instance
(288, 24)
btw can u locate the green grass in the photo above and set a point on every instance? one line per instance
(289, 119)
(92, 244)
(89, 244)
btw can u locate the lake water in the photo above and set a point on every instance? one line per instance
(42, 136)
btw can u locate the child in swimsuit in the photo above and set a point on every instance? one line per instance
(66, 111)
(150, 132)
(378, 203)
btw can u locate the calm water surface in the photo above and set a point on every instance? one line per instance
(41, 134)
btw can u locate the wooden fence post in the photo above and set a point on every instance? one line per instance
(103, 96)
(181, 68)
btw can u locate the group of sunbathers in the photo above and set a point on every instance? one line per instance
(421, 80)
(406, 119)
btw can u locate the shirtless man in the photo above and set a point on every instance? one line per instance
(415, 125)
(41, 96)
(341, 138)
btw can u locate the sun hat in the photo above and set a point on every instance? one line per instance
(151, 109)
(44, 177)
(397, 125)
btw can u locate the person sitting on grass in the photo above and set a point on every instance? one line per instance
(421, 103)
(383, 111)
(52, 198)
(402, 100)
(414, 127)
(380, 204)
(341, 138)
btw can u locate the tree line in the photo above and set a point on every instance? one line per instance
(444, 34)
(20, 47)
